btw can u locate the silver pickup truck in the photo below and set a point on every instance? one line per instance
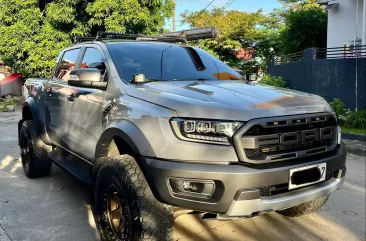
(152, 124)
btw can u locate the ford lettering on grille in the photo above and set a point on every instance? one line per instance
(289, 138)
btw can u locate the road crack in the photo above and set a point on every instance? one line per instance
(6, 234)
(358, 183)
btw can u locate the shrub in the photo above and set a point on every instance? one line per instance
(18, 101)
(355, 119)
(274, 81)
(9, 101)
(348, 118)
(339, 107)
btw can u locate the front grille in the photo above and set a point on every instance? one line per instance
(265, 191)
(265, 129)
(284, 138)
(278, 149)
(253, 152)
(283, 188)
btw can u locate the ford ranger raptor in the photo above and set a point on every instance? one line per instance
(153, 124)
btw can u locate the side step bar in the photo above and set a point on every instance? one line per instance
(73, 165)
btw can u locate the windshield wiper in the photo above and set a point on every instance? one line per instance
(156, 80)
(143, 81)
(198, 79)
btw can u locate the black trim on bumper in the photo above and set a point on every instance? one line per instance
(229, 179)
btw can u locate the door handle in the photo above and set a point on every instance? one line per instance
(71, 98)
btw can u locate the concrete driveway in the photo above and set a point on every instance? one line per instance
(57, 207)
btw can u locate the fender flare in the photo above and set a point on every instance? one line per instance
(128, 132)
(38, 117)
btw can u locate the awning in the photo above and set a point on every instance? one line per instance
(331, 6)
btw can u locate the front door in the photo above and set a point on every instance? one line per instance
(55, 96)
(84, 109)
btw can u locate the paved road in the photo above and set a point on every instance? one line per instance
(57, 207)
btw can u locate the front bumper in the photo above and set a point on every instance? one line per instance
(237, 186)
(247, 208)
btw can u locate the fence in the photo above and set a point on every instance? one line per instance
(342, 52)
(332, 73)
(289, 58)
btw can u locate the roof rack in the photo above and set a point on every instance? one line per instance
(196, 33)
(107, 35)
(79, 39)
(180, 36)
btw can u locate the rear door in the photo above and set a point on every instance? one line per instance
(84, 108)
(56, 92)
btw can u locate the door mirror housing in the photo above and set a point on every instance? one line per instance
(87, 78)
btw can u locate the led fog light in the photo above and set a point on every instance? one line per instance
(191, 188)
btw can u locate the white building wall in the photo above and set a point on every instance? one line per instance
(342, 22)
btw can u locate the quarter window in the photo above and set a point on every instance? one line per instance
(67, 64)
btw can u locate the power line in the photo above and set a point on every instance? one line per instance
(227, 4)
(206, 7)
(175, 20)
(230, 4)
(223, 6)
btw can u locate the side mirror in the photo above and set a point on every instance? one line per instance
(87, 78)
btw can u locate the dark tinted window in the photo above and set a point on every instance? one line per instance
(67, 64)
(164, 61)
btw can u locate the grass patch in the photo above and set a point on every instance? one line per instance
(359, 131)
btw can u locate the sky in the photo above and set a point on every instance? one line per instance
(242, 5)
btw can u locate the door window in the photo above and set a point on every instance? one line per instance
(94, 59)
(68, 62)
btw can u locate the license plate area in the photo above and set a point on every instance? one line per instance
(308, 175)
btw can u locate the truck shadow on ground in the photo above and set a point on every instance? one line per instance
(58, 207)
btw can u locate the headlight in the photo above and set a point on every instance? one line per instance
(207, 131)
(339, 135)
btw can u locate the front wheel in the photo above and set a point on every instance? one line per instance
(125, 207)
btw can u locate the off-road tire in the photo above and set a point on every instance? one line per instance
(305, 208)
(147, 218)
(33, 151)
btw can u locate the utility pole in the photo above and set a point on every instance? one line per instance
(174, 18)
(355, 47)
(364, 24)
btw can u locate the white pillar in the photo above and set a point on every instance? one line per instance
(364, 23)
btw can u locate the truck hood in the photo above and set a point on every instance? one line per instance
(228, 100)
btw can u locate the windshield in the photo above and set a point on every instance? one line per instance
(164, 61)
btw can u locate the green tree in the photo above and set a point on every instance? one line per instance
(130, 16)
(299, 4)
(304, 28)
(30, 40)
(238, 30)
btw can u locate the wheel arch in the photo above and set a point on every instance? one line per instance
(31, 111)
(122, 137)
